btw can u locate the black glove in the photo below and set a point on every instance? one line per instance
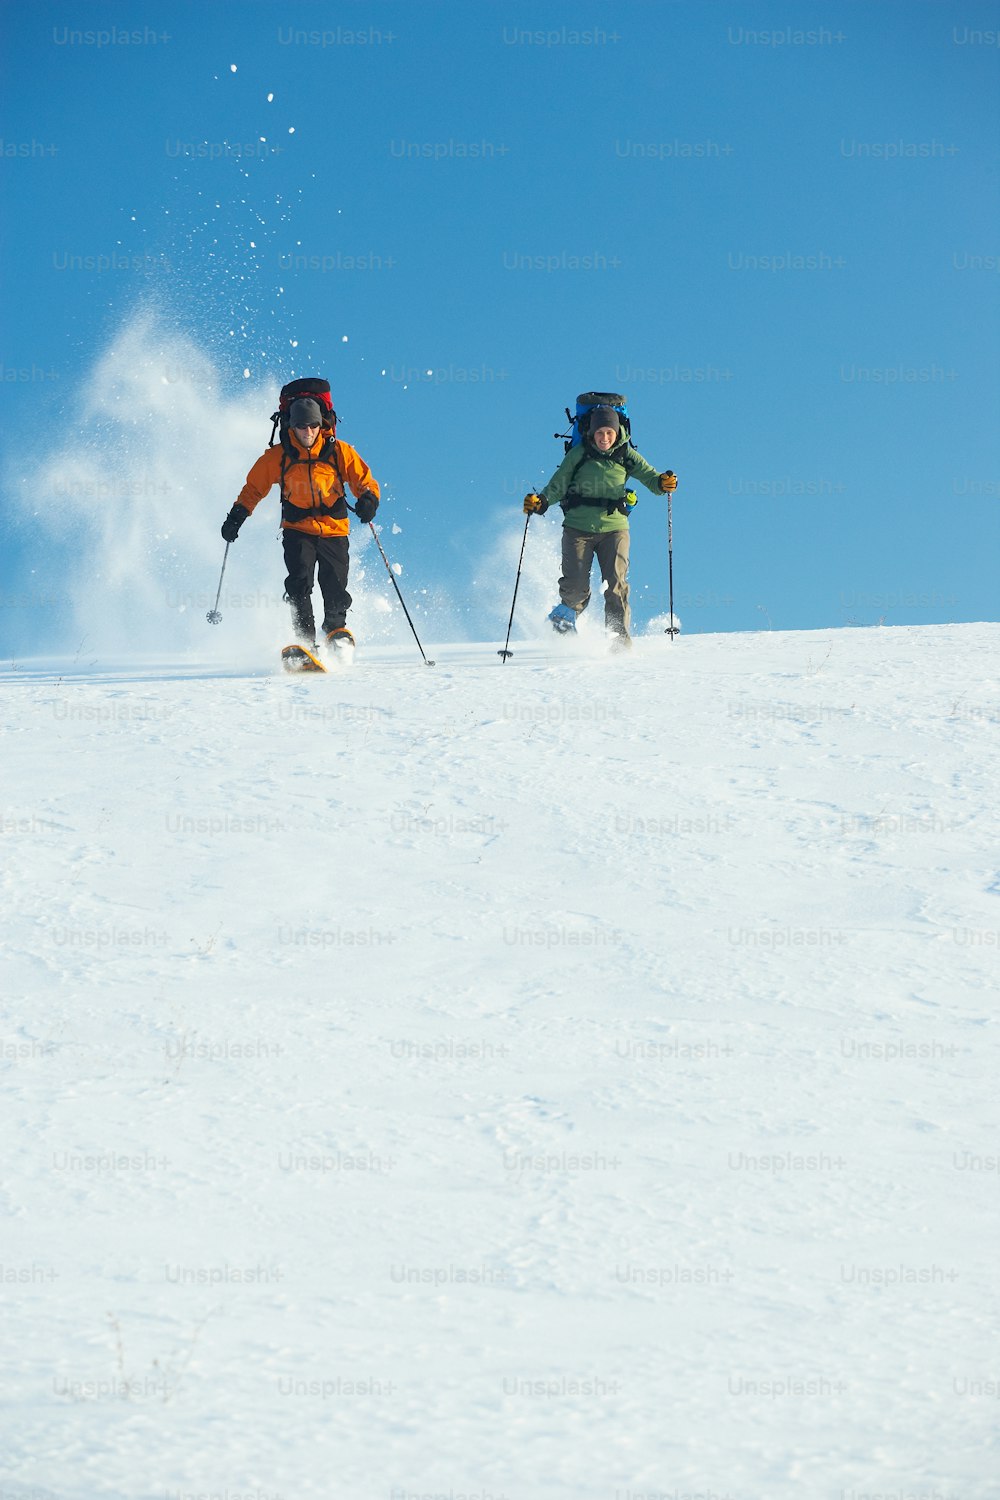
(231, 525)
(365, 506)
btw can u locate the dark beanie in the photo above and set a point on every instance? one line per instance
(604, 416)
(305, 412)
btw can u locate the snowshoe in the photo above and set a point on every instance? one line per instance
(563, 619)
(299, 659)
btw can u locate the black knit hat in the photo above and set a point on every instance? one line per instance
(304, 412)
(603, 416)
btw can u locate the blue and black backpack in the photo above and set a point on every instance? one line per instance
(579, 425)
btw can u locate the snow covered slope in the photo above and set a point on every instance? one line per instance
(575, 1078)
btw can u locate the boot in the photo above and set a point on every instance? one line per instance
(563, 619)
(303, 620)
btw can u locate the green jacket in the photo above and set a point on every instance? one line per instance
(601, 478)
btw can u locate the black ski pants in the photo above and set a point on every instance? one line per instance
(303, 554)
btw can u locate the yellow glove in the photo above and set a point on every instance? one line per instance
(668, 482)
(535, 505)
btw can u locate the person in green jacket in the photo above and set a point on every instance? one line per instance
(591, 486)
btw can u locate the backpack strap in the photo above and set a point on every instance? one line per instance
(627, 462)
(328, 454)
(331, 449)
(570, 500)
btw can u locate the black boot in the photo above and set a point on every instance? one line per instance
(303, 620)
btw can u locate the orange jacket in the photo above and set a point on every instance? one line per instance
(310, 484)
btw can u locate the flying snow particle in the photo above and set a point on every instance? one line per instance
(344, 339)
(294, 343)
(397, 568)
(246, 374)
(291, 130)
(396, 529)
(428, 372)
(232, 67)
(270, 98)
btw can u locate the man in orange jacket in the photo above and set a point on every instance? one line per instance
(314, 469)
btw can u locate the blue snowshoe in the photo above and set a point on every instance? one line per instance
(563, 619)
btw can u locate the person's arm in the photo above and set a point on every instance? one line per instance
(358, 474)
(363, 486)
(644, 472)
(557, 486)
(265, 473)
(262, 476)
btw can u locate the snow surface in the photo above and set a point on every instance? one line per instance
(573, 1078)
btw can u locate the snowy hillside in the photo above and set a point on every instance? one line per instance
(567, 1080)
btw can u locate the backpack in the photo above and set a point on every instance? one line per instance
(579, 425)
(319, 390)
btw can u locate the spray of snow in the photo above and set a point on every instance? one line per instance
(538, 589)
(496, 574)
(156, 449)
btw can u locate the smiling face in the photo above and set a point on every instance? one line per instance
(604, 438)
(306, 435)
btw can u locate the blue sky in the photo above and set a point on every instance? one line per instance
(774, 228)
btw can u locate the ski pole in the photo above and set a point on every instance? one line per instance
(671, 629)
(213, 617)
(388, 569)
(505, 653)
